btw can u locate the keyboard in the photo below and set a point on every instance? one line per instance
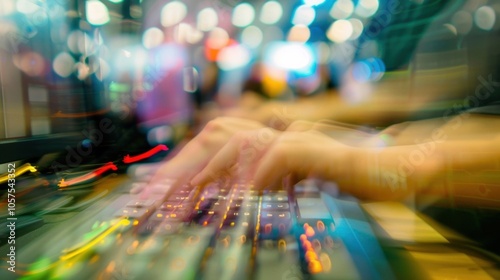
(153, 230)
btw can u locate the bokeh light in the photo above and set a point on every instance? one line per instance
(342, 9)
(185, 33)
(63, 64)
(97, 12)
(233, 57)
(304, 15)
(462, 21)
(323, 50)
(313, 2)
(7, 7)
(103, 71)
(251, 36)
(299, 33)
(340, 31)
(484, 17)
(271, 12)
(357, 28)
(366, 8)
(26, 6)
(152, 37)
(370, 69)
(31, 63)
(190, 78)
(290, 56)
(207, 19)
(173, 13)
(243, 15)
(217, 38)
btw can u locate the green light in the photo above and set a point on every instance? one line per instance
(119, 87)
(38, 269)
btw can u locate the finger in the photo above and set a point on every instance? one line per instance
(222, 161)
(271, 168)
(300, 126)
(327, 126)
(242, 123)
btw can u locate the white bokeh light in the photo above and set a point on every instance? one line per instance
(366, 8)
(485, 17)
(97, 12)
(63, 64)
(233, 57)
(290, 56)
(152, 37)
(271, 12)
(304, 15)
(342, 9)
(173, 13)
(27, 6)
(313, 2)
(243, 15)
(7, 7)
(357, 28)
(207, 19)
(251, 36)
(340, 31)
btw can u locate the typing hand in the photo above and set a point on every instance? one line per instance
(197, 152)
(266, 155)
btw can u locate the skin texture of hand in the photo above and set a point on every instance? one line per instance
(198, 151)
(266, 156)
(376, 169)
(425, 157)
(274, 114)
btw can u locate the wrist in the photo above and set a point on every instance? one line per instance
(348, 167)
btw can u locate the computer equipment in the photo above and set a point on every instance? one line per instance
(158, 230)
(100, 223)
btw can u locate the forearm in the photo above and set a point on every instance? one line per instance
(377, 111)
(393, 173)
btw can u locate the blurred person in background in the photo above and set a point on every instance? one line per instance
(415, 60)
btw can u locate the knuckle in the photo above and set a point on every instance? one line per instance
(299, 125)
(213, 125)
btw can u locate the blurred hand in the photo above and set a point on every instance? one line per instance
(275, 114)
(197, 152)
(266, 155)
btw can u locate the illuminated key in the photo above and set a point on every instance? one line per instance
(132, 213)
(275, 206)
(139, 203)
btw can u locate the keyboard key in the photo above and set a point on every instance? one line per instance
(159, 189)
(184, 255)
(246, 205)
(140, 203)
(160, 227)
(275, 197)
(133, 213)
(137, 188)
(206, 217)
(207, 204)
(176, 215)
(253, 198)
(168, 205)
(271, 206)
(275, 215)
